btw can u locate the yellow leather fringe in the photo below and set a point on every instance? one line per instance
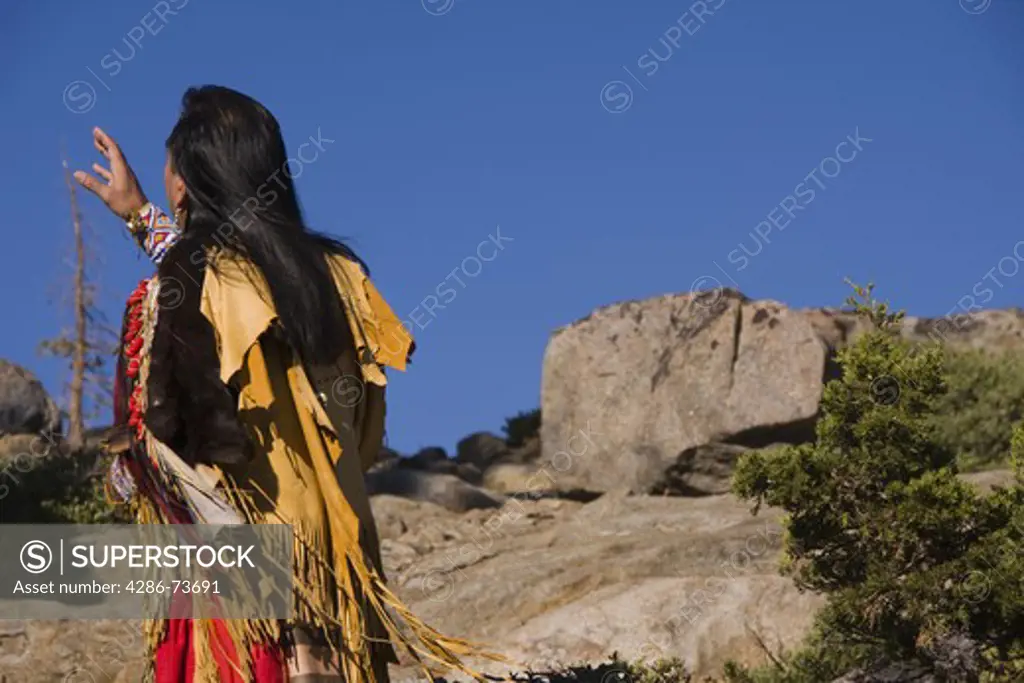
(308, 472)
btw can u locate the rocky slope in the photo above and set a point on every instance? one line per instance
(553, 582)
(547, 582)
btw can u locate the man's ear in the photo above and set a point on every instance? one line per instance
(179, 195)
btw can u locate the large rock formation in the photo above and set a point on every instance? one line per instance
(30, 424)
(651, 394)
(25, 407)
(630, 387)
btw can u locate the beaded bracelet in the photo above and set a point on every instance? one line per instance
(141, 220)
(154, 230)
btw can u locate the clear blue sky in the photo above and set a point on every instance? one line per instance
(452, 119)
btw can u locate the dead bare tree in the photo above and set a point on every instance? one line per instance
(89, 344)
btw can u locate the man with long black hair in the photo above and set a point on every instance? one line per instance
(228, 386)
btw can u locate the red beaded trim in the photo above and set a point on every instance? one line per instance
(132, 350)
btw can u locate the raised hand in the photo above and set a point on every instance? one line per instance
(119, 188)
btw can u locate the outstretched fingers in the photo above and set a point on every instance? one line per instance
(103, 173)
(117, 185)
(103, 142)
(92, 184)
(109, 148)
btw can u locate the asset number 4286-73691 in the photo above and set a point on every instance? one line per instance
(161, 587)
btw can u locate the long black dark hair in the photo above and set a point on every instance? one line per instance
(228, 149)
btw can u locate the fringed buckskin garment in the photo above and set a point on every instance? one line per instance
(214, 396)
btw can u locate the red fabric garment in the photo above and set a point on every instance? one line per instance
(175, 658)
